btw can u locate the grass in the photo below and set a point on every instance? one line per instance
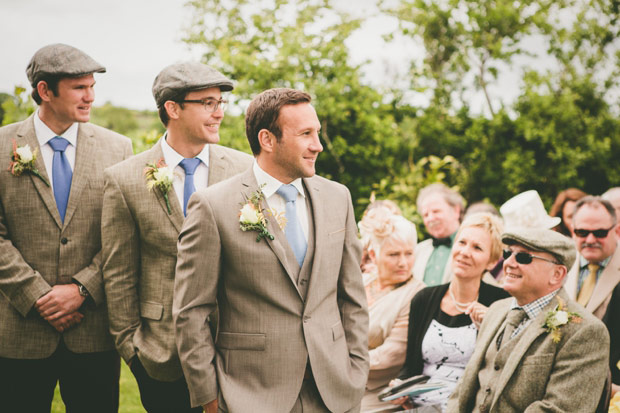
(129, 394)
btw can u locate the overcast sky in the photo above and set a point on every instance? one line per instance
(135, 39)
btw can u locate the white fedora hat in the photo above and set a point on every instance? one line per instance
(527, 210)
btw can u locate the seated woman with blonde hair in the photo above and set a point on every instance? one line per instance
(389, 289)
(443, 319)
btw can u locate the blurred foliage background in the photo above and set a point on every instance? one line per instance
(563, 130)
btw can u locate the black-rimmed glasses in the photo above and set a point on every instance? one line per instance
(210, 105)
(525, 257)
(598, 233)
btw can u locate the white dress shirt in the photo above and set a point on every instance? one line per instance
(44, 134)
(173, 159)
(276, 202)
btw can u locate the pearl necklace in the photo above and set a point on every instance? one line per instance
(461, 306)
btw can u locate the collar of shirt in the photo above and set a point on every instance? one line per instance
(534, 308)
(271, 183)
(583, 263)
(173, 158)
(44, 133)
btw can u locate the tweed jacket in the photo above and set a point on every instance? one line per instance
(540, 375)
(609, 278)
(268, 333)
(139, 240)
(38, 251)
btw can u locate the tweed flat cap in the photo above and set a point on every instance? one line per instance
(545, 240)
(185, 77)
(60, 59)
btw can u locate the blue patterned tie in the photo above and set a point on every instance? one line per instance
(293, 231)
(61, 174)
(189, 165)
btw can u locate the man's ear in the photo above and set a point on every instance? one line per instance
(559, 273)
(44, 91)
(266, 140)
(172, 109)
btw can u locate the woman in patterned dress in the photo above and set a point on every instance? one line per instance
(443, 319)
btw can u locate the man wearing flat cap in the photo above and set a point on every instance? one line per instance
(539, 350)
(143, 214)
(54, 319)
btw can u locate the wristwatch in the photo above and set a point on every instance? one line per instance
(81, 289)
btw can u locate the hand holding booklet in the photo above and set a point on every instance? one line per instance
(413, 386)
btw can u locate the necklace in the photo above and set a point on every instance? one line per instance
(460, 306)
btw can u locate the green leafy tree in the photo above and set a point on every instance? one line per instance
(17, 107)
(301, 44)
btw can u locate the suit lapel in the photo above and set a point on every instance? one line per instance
(27, 136)
(83, 170)
(609, 278)
(249, 187)
(176, 216)
(531, 333)
(217, 165)
(318, 213)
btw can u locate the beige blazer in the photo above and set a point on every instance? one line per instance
(423, 252)
(38, 251)
(139, 240)
(267, 332)
(609, 278)
(540, 375)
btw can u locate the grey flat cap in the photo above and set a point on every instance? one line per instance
(545, 240)
(185, 77)
(61, 59)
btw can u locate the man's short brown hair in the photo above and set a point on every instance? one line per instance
(264, 111)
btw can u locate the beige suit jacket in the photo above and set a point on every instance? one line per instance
(38, 251)
(609, 278)
(139, 240)
(540, 375)
(267, 332)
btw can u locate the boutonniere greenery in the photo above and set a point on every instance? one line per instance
(252, 217)
(557, 318)
(22, 160)
(159, 175)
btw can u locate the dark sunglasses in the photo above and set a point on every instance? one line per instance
(525, 257)
(598, 233)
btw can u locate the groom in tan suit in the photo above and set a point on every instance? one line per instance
(141, 226)
(530, 355)
(53, 318)
(293, 321)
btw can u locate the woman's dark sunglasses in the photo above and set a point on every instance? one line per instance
(598, 233)
(525, 257)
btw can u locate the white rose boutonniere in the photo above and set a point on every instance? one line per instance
(22, 160)
(252, 218)
(159, 175)
(557, 318)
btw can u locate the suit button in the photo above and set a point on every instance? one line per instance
(306, 318)
(487, 390)
(496, 367)
(63, 240)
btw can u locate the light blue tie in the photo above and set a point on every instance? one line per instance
(61, 174)
(189, 165)
(293, 231)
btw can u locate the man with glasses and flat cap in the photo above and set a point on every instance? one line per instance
(597, 269)
(53, 318)
(539, 350)
(143, 213)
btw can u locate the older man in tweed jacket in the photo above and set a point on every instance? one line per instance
(539, 351)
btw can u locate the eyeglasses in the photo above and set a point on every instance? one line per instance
(598, 233)
(211, 105)
(525, 257)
